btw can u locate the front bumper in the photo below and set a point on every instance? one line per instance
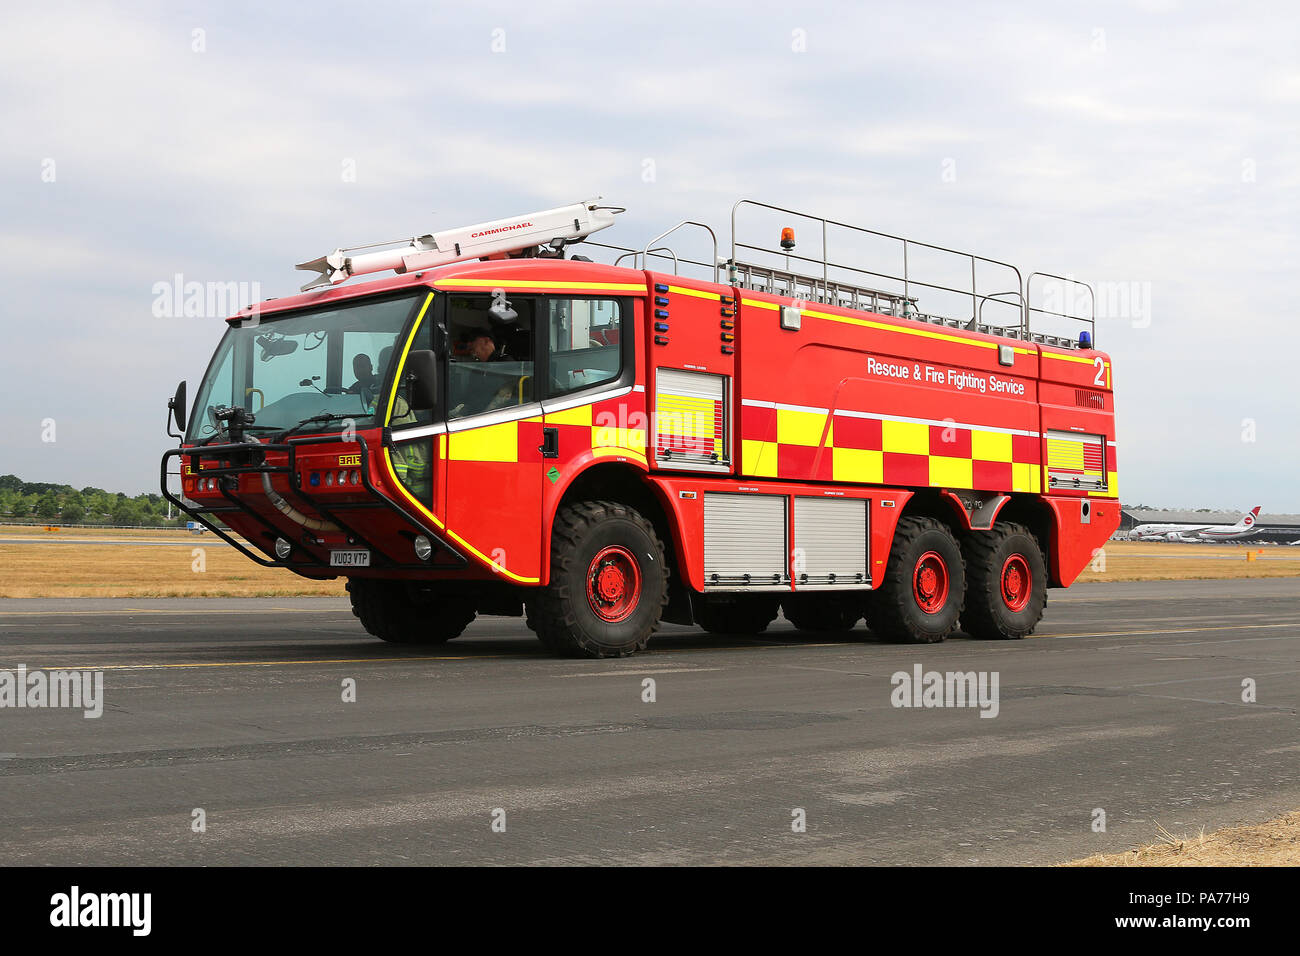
(309, 556)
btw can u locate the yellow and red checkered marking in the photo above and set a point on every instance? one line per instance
(813, 444)
(581, 429)
(601, 427)
(1084, 456)
(686, 424)
(1077, 455)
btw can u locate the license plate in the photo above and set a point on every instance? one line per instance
(349, 559)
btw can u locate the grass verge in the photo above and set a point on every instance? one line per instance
(1275, 843)
(55, 567)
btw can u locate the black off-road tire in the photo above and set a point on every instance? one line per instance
(895, 612)
(823, 613)
(745, 614)
(531, 609)
(389, 611)
(564, 612)
(999, 604)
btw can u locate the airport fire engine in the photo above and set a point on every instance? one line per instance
(503, 427)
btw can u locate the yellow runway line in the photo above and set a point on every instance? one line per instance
(196, 611)
(356, 660)
(1174, 630)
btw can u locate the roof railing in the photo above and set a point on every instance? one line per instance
(809, 278)
(660, 252)
(905, 245)
(1090, 320)
(666, 233)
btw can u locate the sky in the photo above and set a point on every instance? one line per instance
(1151, 148)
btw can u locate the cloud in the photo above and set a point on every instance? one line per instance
(1151, 144)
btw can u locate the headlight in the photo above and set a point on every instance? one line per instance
(282, 549)
(423, 547)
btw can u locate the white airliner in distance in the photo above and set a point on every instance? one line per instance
(1193, 532)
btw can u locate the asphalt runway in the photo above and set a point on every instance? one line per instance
(1128, 700)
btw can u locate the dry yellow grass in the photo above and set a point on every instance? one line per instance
(1176, 561)
(1275, 843)
(61, 569)
(55, 567)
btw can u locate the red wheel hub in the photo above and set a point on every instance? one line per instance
(1017, 583)
(614, 584)
(930, 582)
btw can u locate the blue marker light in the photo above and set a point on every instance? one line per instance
(1085, 340)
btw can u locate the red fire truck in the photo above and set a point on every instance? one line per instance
(502, 427)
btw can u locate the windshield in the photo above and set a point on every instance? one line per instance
(304, 364)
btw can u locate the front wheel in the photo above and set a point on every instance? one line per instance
(395, 612)
(920, 597)
(609, 582)
(1006, 588)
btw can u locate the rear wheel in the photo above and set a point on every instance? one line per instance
(1006, 589)
(920, 597)
(399, 613)
(823, 613)
(735, 614)
(609, 582)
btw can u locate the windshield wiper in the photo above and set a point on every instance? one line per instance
(315, 419)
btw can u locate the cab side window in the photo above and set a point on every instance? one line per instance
(365, 358)
(360, 346)
(490, 361)
(585, 342)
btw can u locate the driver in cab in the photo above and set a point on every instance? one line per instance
(478, 390)
(364, 373)
(483, 347)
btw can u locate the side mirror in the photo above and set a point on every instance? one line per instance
(177, 406)
(421, 373)
(502, 312)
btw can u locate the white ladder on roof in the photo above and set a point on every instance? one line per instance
(550, 227)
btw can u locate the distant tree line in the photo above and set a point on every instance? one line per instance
(62, 504)
(1197, 510)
